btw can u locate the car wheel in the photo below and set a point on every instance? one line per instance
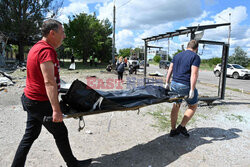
(236, 75)
(217, 73)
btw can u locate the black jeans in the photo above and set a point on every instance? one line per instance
(120, 75)
(36, 110)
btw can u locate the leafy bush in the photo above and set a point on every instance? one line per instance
(213, 61)
(157, 58)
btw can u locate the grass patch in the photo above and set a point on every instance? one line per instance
(206, 67)
(227, 88)
(222, 108)
(238, 90)
(153, 62)
(162, 117)
(82, 66)
(234, 117)
(200, 115)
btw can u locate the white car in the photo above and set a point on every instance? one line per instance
(233, 70)
(133, 62)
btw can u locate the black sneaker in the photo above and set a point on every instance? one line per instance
(174, 132)
(182, 130)
(84, 163)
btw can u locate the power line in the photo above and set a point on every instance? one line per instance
(124, 4)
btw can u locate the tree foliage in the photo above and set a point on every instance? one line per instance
(169, 58)
(178, 51)
(21, 20)
(239, 57)
(157, 58)
(125, 52)
(87, 36)
(211, 62)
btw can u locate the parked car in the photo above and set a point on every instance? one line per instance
(142, 63)
(164, 64)
(233, 70)
(133, 62)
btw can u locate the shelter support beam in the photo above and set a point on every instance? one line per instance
(222, 84)
(145, 61)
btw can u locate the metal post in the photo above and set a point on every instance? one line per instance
(192, 36)
(145, 61)
(113, 39)
(222, 85)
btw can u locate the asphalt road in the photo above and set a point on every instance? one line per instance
(209, 77)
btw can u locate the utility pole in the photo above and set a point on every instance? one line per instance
(113, 39)
(229, 31)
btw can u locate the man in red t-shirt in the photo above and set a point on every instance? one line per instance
(40, 96)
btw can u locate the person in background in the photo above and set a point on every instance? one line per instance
(185, 68)
(72, 59)
(72, 64)
(96, 61)
(91, 60)
(40, 97)
(126, 61)
(120, 68)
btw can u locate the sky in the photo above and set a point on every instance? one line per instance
(138, 19)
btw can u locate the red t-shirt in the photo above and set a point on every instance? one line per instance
(41, 52)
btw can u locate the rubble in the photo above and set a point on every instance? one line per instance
(6, 80)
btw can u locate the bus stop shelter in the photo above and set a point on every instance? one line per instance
(193, 31)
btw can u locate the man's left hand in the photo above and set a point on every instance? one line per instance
(167, 86)
(191, 94)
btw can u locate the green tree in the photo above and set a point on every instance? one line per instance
(125, 52)
(157, 58)
(87, 35)
(21, 20)
(239, 57)
(213, 61)
(169, 58)
(178, 51)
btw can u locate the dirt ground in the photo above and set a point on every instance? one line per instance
(219, 133)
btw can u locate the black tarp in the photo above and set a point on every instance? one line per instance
(83, 99)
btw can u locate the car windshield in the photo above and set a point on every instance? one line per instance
(133, 58)
(238, 66)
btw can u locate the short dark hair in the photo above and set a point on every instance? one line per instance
(193, 44)
(48, 25)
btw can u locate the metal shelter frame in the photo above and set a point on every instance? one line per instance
(192, 30)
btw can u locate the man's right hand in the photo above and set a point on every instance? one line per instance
(57, 116)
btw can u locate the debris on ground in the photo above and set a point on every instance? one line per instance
(157, 73)
(6, 80)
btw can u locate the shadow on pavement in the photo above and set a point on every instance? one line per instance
(164, 150)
